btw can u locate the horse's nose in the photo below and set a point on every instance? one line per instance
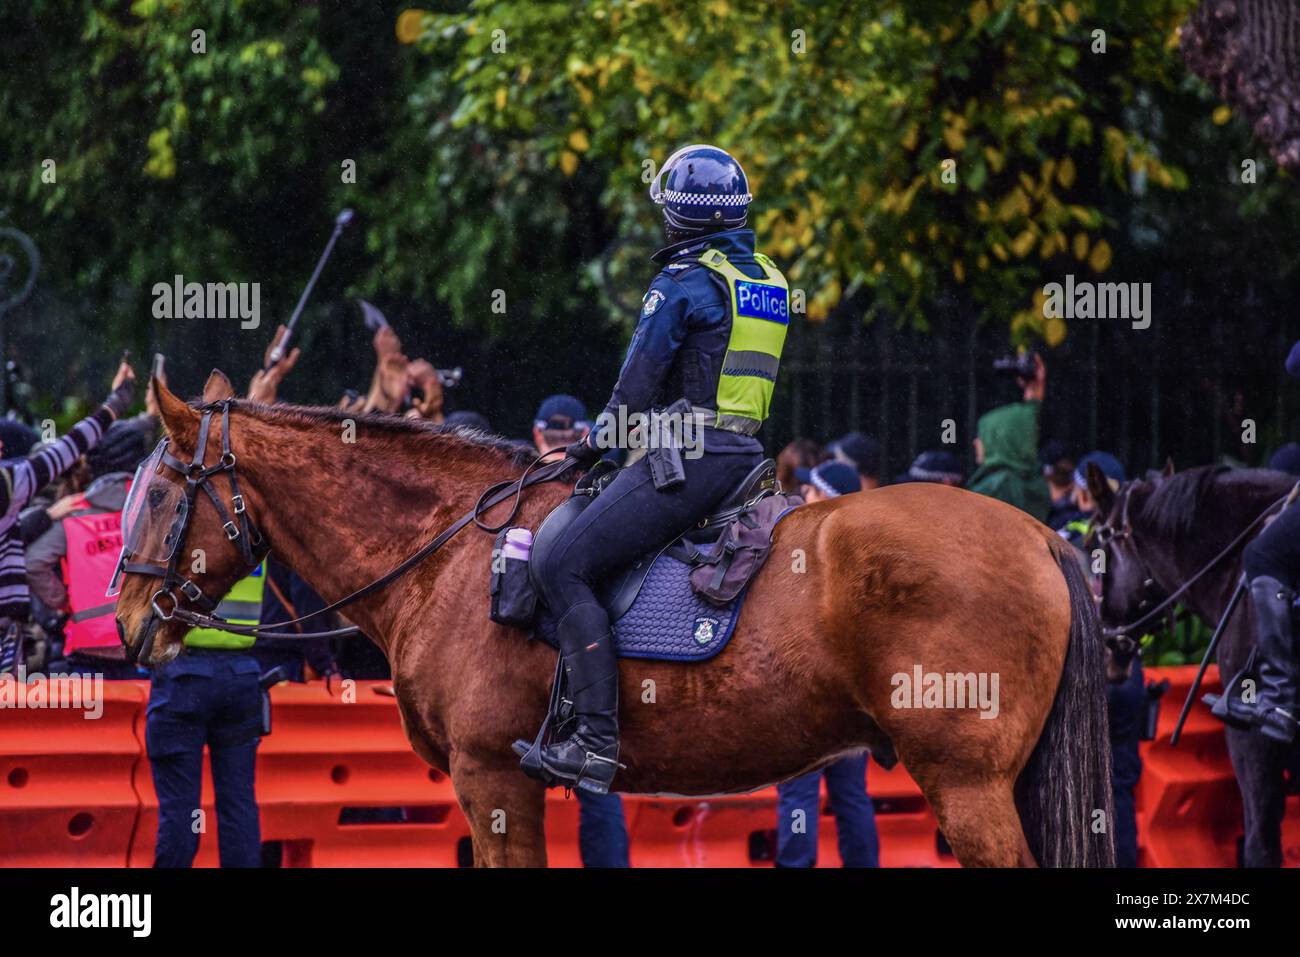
(121, 631)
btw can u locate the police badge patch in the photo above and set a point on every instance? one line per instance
(651, 303)
(705, 629)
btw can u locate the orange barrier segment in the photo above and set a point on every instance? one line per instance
(66, 797)
(1188, 803)
(338, 785)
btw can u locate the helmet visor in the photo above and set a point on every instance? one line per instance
(656, 185)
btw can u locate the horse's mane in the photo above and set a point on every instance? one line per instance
(1173, 507)
(516, 453)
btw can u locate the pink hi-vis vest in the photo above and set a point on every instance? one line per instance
(94, 542)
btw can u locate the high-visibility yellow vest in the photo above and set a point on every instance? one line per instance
(243, 606)
(760, 316)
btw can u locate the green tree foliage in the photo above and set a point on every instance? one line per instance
(511, 148)
(163, 155)
(845, 116)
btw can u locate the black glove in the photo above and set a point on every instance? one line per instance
(583, 454)
(120, 398)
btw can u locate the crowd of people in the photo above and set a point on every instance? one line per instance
(707, 347)
(1047, 479)
(62, 511)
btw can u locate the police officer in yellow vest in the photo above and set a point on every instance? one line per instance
(210, 696)
(703, 360)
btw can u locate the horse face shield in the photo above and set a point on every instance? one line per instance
(153, 518)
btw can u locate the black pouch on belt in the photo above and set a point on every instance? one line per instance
(664, 452)
(264, 683)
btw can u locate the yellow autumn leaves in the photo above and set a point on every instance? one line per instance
(577, 143)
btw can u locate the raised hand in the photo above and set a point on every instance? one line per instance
(265, 386)
(422, 376)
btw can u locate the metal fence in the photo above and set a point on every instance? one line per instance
(1182, 388)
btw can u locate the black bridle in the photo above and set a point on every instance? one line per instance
(254, 546)
(239, 528)
(1105, 534)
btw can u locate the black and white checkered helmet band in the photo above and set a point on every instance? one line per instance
(703, 199)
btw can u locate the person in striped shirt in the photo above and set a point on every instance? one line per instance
(21, 479)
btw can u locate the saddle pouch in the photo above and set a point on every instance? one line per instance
(723, 570)
(514, 599)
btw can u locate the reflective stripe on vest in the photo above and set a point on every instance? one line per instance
(94, 540)
(760, 316)
(243, 606)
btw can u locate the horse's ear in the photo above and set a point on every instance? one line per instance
(180, 421)
(1099, 489)
(1169, 467)
(217, 387)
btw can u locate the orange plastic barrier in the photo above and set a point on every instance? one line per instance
(338, 785)
(1188, 804)
(66, 794)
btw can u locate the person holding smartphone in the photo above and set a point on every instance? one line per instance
(21, 479)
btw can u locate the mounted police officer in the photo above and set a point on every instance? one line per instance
(1272, 565)
(705, 350)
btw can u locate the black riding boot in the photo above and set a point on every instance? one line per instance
(1275, 709)
(588, 758)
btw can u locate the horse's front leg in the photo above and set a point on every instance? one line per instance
(1258, 763)
(505, 809)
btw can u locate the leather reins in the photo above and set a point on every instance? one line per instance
(254, 547)
(1105, 534)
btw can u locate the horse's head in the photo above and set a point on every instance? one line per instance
(188, 539)
(1128, 588)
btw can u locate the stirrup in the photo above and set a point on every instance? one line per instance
(530, 762)
(1228, 706)
(1229, 709)
(594, 777)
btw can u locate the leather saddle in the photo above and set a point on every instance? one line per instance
(618, 593)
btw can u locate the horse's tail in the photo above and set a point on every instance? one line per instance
(1063, 794)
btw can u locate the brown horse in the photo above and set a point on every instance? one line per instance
(858, 594)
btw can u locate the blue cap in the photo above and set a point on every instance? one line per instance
(468, 418)
(1109, 465)
(18, 438)
(860, 451)
(831, 478)
(936, 466)
(561, 412)
(1053, 451)
(1286, 459)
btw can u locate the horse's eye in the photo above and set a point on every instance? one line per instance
(156, 497)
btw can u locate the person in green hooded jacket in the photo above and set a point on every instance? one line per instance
(1006, 451)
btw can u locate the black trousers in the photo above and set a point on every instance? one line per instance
(631, 518)
(1276, 550)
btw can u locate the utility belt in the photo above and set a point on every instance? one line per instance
(264, 681)
(662, 447)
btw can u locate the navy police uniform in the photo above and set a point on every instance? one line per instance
(1272, 565)
(676, 351)
(209, 695)
(212, 697)
(706, 347)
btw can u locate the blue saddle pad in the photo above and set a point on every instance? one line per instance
(668, 621)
